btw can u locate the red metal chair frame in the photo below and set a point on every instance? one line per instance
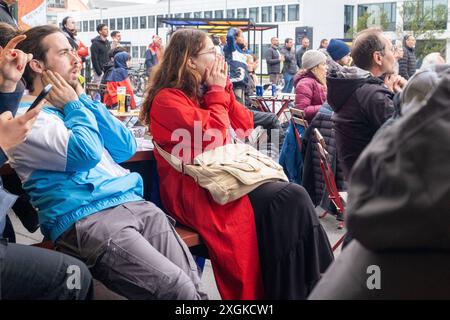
(330, 182)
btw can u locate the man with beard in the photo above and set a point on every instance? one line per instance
(91, 207)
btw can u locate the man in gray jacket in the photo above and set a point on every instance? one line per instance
(290, 65)
(274, 59)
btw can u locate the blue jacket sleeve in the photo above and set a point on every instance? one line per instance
(118, 140)
(3, 157)
(85, 145)
(10, 101)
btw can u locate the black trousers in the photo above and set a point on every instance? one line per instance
(293, 247)
(31, 273)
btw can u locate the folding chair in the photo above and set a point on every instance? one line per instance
(298, 118)
(330, 182)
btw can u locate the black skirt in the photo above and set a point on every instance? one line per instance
(293, 246)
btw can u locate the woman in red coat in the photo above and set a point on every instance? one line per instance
(257, 244)
(310, 83)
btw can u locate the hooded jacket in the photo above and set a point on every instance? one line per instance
(361, 104)
(118, 77)
(398, 210)
(99, 53)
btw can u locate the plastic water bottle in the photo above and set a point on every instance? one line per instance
(274, 89)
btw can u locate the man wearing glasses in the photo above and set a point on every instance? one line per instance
(362, 97)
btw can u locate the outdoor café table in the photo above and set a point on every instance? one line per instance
(272, 103)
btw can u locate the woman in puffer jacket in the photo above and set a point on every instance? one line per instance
(310, 83)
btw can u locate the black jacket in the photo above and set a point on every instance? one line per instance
(408, 64)
(361, 104)
(312, 175)
(398, 211)
(6, 15)
(299, 56)
(99, 54)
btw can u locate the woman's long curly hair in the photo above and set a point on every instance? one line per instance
(173, 70)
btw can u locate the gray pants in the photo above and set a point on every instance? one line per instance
(135, 251)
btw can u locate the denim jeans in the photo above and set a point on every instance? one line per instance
(288, 83)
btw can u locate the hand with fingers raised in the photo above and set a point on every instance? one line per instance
(12, 64)
(62, 92)
(13, 131)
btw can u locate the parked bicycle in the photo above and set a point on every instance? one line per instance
(138, 79)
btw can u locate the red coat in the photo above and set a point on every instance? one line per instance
(309, 94)
(228, 231)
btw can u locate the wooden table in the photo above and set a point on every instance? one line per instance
(268, 103)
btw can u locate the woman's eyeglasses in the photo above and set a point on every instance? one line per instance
(212, 50)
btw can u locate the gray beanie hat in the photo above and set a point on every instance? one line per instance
(312, 58)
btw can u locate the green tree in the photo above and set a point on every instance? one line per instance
(425, 23)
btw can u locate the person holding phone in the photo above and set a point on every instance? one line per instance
(19, 264)
(77, 146)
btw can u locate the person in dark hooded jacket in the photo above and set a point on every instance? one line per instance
(360, 99)
(119, 78)
(398, 208)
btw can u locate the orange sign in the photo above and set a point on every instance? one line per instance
(32, 13)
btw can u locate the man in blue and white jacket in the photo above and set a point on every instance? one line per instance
(237, 62)
(89, 205)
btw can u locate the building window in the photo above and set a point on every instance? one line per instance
(266, 14)
(127, 23)
(280, 13)
(112, 24)
(253, 13)
(142, 22)
(79, 26)
(135, 52)
(105, 21)
(377, 15)
(197, 14)
(218, 14)
(56, 3)
(425, 14)
(208, 14)
(160, 24)
(142, 49)
(293, 12)
(85, 26)
(348, 21)
(178, 15)
(135, 23)
(242, 13)
(97, 22)
(187, 15)
(91, 25)
(231, 13)
(151, 22)
(119, 23)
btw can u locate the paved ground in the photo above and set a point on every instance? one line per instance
(329, 223)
